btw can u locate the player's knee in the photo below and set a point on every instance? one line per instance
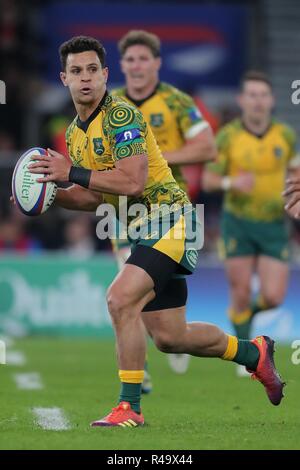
(273, 299)
(238, 283)
(165, 342)
(118, 303)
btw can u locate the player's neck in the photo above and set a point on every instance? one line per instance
(139, 94)
(84, 111)
(255, 126)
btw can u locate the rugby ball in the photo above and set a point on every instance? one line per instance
(31, 197)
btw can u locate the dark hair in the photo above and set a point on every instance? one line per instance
(255, 75)
(81, 44)
(140, 37)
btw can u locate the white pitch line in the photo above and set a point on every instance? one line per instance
(51, 419)
(28, 381)
(15, 358)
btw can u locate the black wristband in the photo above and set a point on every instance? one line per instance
(80, 176)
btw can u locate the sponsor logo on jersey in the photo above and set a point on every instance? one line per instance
(192, 256)
(278, 152)
(156, 120)
(98, 145)
(128, 135)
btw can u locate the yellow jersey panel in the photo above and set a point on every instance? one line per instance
(266, 157)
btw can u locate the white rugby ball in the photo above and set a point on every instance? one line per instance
(31, 197)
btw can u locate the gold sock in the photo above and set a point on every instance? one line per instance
(239, 318)
(232, 347)
(261, 303)
(131, 376)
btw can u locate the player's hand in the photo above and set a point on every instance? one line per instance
(12, 200)
(292, 195)
(54, 166)
(244, 182)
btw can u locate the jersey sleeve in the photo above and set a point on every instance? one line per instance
(221, 164)
(189, 118)
(126, 130)
(68, 138)
(119, 92)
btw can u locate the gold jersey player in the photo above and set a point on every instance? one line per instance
(145, 290)
(255, 153)
(183, 136)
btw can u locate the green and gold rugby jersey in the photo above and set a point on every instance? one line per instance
(267, 157)
(117, 130)
(173, 117)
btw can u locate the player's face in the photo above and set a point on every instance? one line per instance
(85, 77)
(140, 67)
(256, 99)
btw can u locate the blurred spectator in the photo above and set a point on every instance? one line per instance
(78, 236)
(56, 128)
(9, 25)
(7, 143)
(13, 237)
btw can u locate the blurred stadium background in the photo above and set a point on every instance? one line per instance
(53, 269)
(206, 48)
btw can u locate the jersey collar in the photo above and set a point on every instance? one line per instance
(83, 125)
(258, 136)
(139, 103)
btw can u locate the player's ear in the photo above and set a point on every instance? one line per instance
(158, 62)
(121, 65)
(63, 78)
(105, 74)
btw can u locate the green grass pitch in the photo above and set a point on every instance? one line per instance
(207, 408)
